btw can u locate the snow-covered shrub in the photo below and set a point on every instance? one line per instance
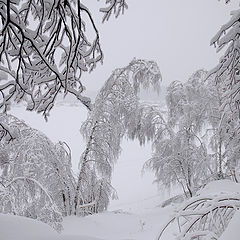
(207, 215)
(27, 197)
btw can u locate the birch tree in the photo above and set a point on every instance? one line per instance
(36, 177)
(180, 153)
(227, 74)
(113, 113)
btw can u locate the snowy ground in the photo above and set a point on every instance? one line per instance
(112, 225)
(119, 225)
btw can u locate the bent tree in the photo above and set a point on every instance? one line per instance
(112, 116)
(204, 217)
(36, 180)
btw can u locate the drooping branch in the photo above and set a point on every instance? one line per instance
(44, 49)
(106, 125)
(115, 7)
(202, 217)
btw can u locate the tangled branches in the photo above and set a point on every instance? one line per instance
(204, 217)
(45, 46)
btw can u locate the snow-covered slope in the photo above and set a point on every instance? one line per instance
(141, 224)
(22, 228)
(220, 186)
(112, 225)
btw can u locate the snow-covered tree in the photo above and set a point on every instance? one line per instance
(113, 113)
(228, 69)
(45, 46)
(180, 154)
(178, 160)
(25, 196)
(227, 75)
(29, 162)
(175, 152)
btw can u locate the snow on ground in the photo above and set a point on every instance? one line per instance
(220, 186)
(118, 225)
(21, 228)
(111, 225)
(143, 221)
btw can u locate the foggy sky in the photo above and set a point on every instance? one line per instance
(174, 33)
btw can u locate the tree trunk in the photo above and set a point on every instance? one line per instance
(82, 169)
(220, 171)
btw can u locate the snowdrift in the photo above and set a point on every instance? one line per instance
(22, 228)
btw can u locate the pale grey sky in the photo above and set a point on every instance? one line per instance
(174, 33)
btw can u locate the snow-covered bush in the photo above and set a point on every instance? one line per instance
(208, 214)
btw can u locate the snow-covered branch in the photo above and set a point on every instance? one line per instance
(45, 46)
(113, 113)
(204, 217)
